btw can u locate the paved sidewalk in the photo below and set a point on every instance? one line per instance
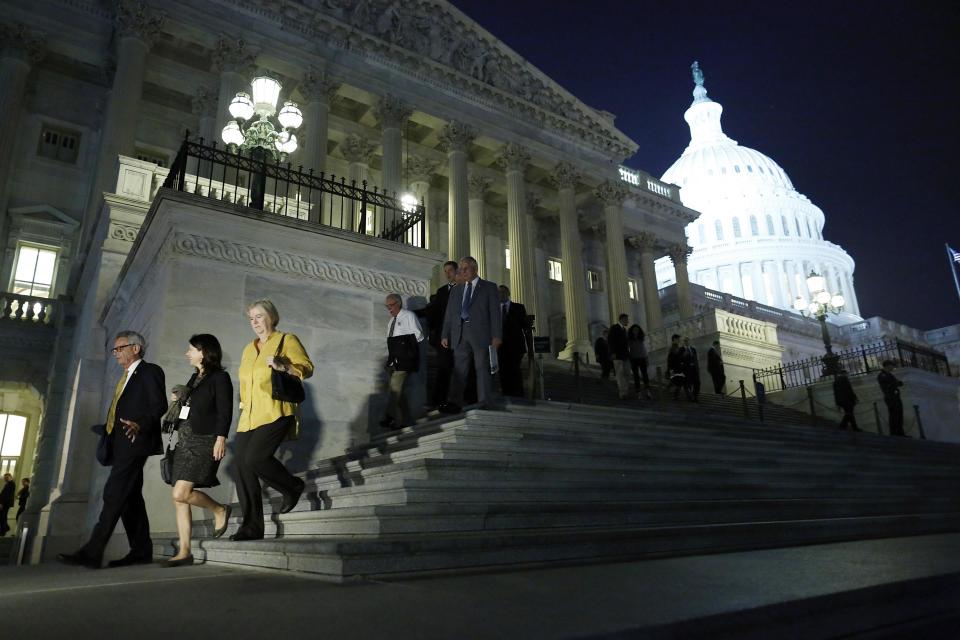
(53, 601)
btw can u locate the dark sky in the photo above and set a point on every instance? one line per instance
(857, 101)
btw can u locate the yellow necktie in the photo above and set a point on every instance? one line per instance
(112, 414)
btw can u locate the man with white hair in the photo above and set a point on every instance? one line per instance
(403, 338)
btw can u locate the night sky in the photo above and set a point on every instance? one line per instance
(857, 101)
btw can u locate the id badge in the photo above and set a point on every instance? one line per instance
(184, 412)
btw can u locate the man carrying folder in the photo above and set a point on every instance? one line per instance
(403, 338)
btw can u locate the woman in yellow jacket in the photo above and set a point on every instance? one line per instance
(265, 422)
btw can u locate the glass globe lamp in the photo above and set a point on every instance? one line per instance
(286, 142)
(241, 107)
(823, 297)
(837, 301)
(290, 116)
(408, 202)
(232, 134)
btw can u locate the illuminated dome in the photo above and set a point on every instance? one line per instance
(757, 237)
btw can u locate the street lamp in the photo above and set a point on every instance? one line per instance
(822, 303)
(252, 130)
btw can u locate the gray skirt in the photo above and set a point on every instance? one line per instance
(194, 461)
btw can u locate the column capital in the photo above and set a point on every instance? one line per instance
(456, 136)
(233, 54)
(513, 157)
(565, 176)
(204, 102)
(533, 201)
(357, 149)
(644, 241)
(392, 112)
(317, 86)
(599, 229)
(21, 43)
(610, 193)
(477, 185)
(136, 20)
(679, 252)
(421, 169)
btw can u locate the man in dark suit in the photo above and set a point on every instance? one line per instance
(471, 326)
(434, 314)
(6, 501)
(620, 350)
(691, 368)
(890, 386)
(133, 425)
(517, 340)
(715, 368)
(846, 399)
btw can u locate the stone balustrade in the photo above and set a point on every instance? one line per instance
(27, 309)
(647, 182)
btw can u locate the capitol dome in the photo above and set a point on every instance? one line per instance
(757, 237)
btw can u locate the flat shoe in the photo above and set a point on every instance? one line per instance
(182, 562)
(289, 502)
(226, 523)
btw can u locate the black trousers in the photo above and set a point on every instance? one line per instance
(895, 409)
(606, 366)
(511, 377)
(639, 367)
(255, 462)
(719, 379)
(693, 382)
(441, 384)
(4, 514)
(122, 501)
(848, 418)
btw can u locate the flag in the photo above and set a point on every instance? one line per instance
(954, 257)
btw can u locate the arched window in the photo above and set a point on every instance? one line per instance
(770, 230)
(718, 228)
(809, 228)
(702, 233)
(754, 229)
(786, 228)
(736, 227)
(796, 222)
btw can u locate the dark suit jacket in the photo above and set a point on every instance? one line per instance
(6, 494)
(516, 332)
(484, 313)
(714, 362)
(843, 393)
(211, 404)
(144, 400)
(619, 347)
(435, 313)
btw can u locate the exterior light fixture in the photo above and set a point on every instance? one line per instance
(823, 303)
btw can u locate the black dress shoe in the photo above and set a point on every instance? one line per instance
(129, 560)
(388, 424)
(78, 560)
(289, 502)
(243, 535)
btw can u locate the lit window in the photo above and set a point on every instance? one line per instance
(35, 271)
(736, 227)
(754, 227)
(796, 222)
(632, 288)
(809, 229)
(786, 229)
(770, 228)
(749, 169)
(59, 144)
(506, 257)
(718, 229)
(12, 430)
(594, 281)
(554, 271)
(736, 168)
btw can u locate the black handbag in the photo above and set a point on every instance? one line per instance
(166, 462)
(286, 387)
(104, 445)
(404, 353)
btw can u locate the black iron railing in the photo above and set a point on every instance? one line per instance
(255, 180)
(857, 361)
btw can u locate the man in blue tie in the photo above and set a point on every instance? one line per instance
(471, 326)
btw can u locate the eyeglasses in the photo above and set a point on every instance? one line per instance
(122, 346)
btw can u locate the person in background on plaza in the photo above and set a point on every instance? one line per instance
(691, 369)
(638, 358)
(891, 396)
(676, 367)
(403, 358)
(133, 424)
(472, 325)
(846, 399)
(715, 368)
(264, 422)
(22, 496)
(206, 411)
(620, 350)
(434, 314)
(6, 502)
(517, 340)
(601, 351)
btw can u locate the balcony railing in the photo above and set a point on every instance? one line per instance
(19, 308)
(279, 188)
(858, 361)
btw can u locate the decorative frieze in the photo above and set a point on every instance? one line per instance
(477, 185)
(135, 19)
(16, 41)
(357, 149)
(392, 112)
(421, 169)
(233, 54)
(297, 265)
(514, 157)
(565, 176)
(124, 232)
(318, 86)
(456, 136)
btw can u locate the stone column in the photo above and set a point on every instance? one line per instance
(514, 159)
(392, 113)
(420, 172)
(565, 177)
(759, 289)
(853, 306)
(318, 92)
(235, 62)
(455, 139)
(612, 195)
(678, 255)
(645, 242)
(529, 257)
(788, 272)
(478, 186)
(772, 268)
(346, 214)
(496, 223)
(204, 106)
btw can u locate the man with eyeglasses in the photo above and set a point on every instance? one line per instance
(133, 428)
(403, 348)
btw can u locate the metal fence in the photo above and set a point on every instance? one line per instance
(256, 180)
(857, 361)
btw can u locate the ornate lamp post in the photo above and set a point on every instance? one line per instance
(253, 131)
(823, 303)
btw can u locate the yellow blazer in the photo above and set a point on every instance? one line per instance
(257, 406)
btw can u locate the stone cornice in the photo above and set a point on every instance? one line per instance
(293, 264)
(392, 112)
(21, 43)
(456, 136)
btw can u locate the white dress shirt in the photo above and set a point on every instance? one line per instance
(406, 323)
(130, 370)
(473, 289)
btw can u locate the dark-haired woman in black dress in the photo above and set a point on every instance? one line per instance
(203, 427)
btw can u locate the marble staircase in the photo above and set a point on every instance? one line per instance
(552, 483)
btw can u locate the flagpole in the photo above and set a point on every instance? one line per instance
(953, 267)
